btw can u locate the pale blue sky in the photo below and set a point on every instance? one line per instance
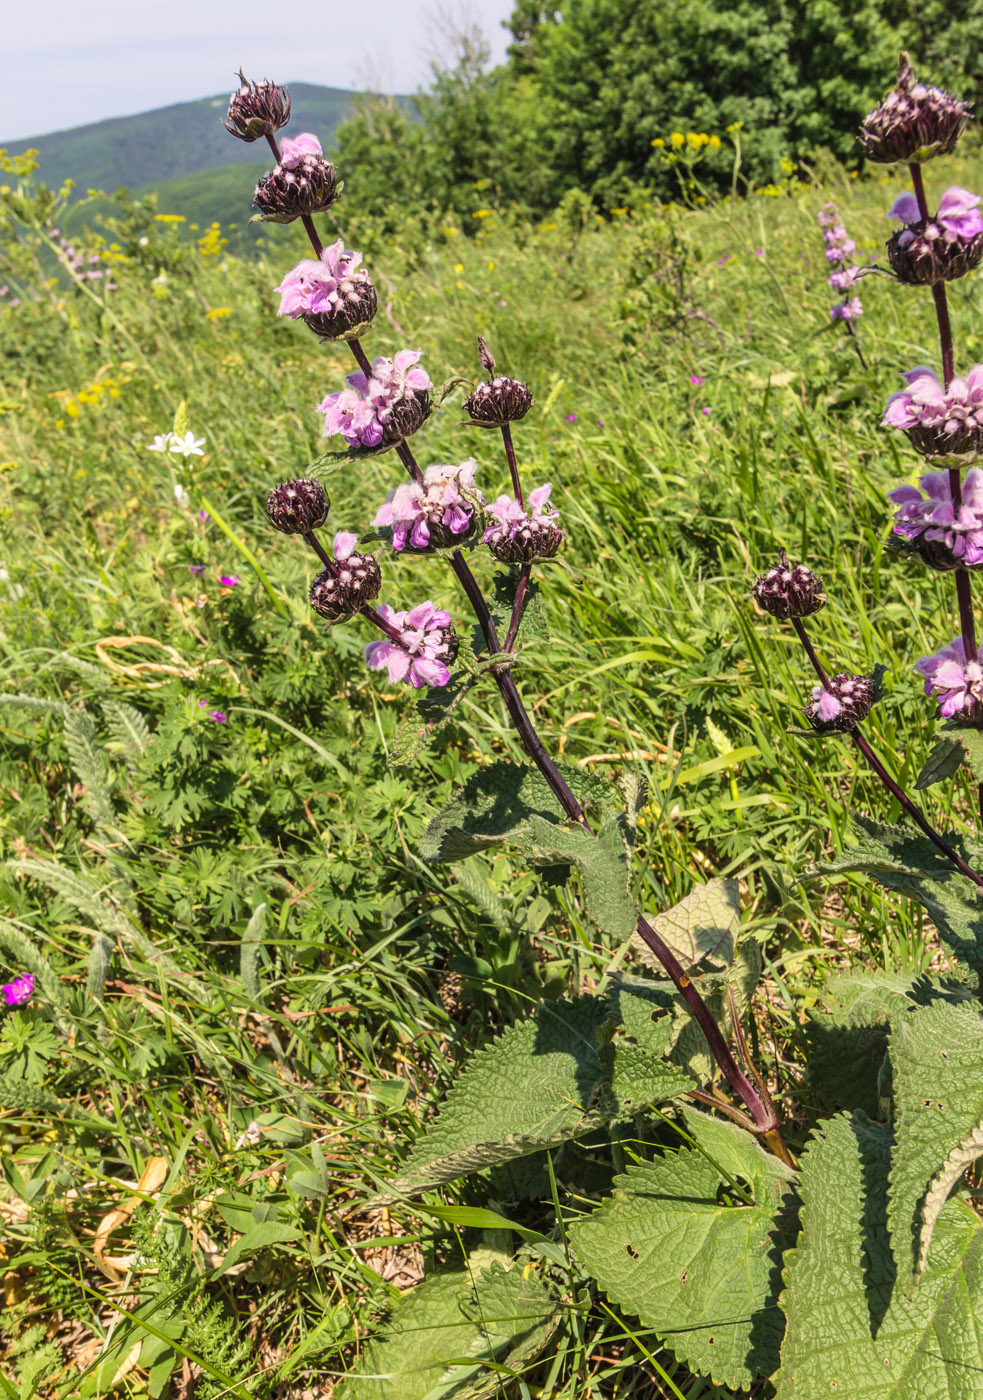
(65, 63)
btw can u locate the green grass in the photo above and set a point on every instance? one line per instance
(228, 922)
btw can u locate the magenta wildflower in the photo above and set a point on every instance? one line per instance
(427, 643)
(203, 515)
(437, 512)
(18, 991)
(931, 517)
(697, 379)
(383, 408)
(196, 569)
(939, 422)
(846, 310)
(293, 149)
(518, 536)
(217, 716)
(230, 580)
(914, 122)
(571, 417)
(844, 274)
(330, 294)
(956, 683)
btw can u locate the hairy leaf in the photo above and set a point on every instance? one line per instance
(702, 925)
(847, 1321)
(602, 861)
(129, 729)
(943, 762)
(532, 624)
(937, 1063)
(91, 768)
(546, 1079)
(454, 1334)
(677, 1247)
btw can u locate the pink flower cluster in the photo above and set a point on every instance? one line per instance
(956, 683)
(293, 149)
(426, 642)
(512, 522)
(844, 275)
(430, 512)
(958, 221)
(363, 413)
(321, 286)
(937, 420)
(931, 515)
(21, 989)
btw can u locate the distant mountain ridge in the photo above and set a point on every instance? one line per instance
(171, 143)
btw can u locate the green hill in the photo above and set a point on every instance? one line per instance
(171, 143)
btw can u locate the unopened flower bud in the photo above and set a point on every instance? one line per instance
(914, 122)
(257, 110)
(356, 579)
(840, 706)
(502, 401)
(297, 507)
(485, 355)
(789, 590)
(304, 184)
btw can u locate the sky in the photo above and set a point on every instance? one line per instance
(81, 65)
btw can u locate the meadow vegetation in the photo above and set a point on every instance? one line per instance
(249, 987)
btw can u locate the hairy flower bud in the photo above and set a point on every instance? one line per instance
(306, 185)
(502, 401)
(485, 355)
(914, 122)
(517, 535)
(356, 579)
(841, 706)
(789, 590)
(257, 110)
(297, 507)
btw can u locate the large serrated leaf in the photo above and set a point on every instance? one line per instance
(848, 1037)
(943, 762)
(702, 925)
(850, 1330)
(453, 1335)
(937, 1064)
(545, 1080)
(696, 1265)
(602, 860)
(911, 865)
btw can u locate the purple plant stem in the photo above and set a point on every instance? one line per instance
(856, 345)
(393, 633)
(318, 548)
(897, 792)
(513, 469)
(759, 1106)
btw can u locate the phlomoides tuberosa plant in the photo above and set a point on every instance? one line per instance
(856, 1269)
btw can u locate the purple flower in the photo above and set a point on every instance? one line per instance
(517, 536)
(844, 276)
(293, 149)
(427, 641)
(939, 249)
(196, 569)
(217, 716)
(571, 417)
(203, 515)
(844, 279)
(846, 310)
(230, 580)
(374, 409)
(939, 421)
(956, 683)
(841, 705)
(959, 217)
(330, 293)
(21, 989)
(433, 512)
(697, 378)
(931, 516)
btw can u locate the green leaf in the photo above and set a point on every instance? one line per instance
(704, 924)
(532, 624)
(971, 743)
(546, 1079)
(435, 707)
(695, 1263)
(847, 1321)
(259, 1237)
(848, 1038)
(943, 762)
(913, 866)
(457, 1334)
(602, 861)
(91, 768)
(937, 1062)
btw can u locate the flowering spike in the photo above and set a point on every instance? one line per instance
(926, 251)
(840, 706)
(913, 122)
(426, 647)
(789, 590)
(442, 510)
(297, 507)
(257, 110)
(337, 593)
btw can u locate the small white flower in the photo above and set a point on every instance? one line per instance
(188, 446)
(182, 497)
(160, 442)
